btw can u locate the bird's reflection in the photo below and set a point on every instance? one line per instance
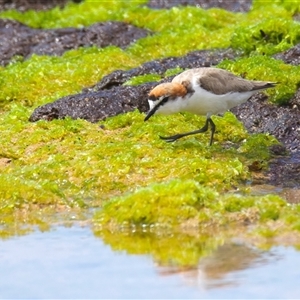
(207, 259)
(216, 269)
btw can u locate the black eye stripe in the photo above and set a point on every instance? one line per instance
(164, 100)
(156, 107)
(161, 103)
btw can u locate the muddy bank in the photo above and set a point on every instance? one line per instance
(285, 172)
(259, 116)
(94, 106)
(23, 41)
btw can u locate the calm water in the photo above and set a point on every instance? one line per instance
(73, 263)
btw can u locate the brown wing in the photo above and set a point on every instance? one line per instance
(220, 81)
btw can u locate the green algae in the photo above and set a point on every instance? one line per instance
(268, 36)
(72, 164)
(292, 7)
(78, 164)
(51, 77)
(158, 204)
(180, 208)
(63, 150)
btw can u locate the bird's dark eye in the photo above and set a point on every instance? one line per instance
(163, 101)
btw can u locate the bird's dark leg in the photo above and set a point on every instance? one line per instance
(201, 130)
(213, 129)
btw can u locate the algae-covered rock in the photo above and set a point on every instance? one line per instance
(236, 6)
(102, 101)
(194, 59)
(23, 41)
(291, 56)
(110, 98)
(282, 122)
(185, 204)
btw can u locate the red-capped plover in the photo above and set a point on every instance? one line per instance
(202, 91)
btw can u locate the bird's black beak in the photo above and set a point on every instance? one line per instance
(155, 108)
(150, 113)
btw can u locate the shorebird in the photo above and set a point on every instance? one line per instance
(202, 91)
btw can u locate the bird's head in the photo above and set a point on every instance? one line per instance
(163, 94)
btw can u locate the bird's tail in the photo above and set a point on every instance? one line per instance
(262, 85)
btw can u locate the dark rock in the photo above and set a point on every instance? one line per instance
(98, 105)
(19, 39)
(284, 171)
(233, 5)
(291, 56)
(23, 5)
(295, 101)
(259, 116)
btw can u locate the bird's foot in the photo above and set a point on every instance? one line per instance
(171, 139)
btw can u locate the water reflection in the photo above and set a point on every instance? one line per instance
(214, 270)
(69, 263)
(203, 260)
(167, 248)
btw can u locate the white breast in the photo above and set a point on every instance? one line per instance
(203, 102)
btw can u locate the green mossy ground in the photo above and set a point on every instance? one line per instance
(73, 165)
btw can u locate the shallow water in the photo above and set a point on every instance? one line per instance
(74, 263)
